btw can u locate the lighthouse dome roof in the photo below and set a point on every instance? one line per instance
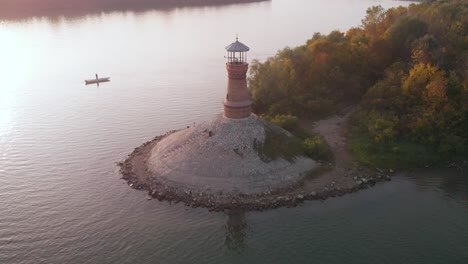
(237, 47)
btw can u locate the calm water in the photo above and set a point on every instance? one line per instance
(61, 199)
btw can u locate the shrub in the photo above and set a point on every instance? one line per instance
(288, 122)
(279, 145)
(317, 148)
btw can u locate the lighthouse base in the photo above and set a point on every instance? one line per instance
(237, 112)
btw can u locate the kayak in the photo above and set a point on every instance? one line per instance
(98, 80)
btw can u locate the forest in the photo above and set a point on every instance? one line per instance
(22, 9)
(405, 68)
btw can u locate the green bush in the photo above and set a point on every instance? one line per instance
(288, 122)
(317, 148)
(279, 145)
(391, 154)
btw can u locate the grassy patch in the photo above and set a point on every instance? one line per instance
(281, 145)
(395, 154)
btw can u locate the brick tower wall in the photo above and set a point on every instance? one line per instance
(238, 101)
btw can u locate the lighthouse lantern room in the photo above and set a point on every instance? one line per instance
(237, 52)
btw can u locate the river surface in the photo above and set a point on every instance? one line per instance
(61, 196)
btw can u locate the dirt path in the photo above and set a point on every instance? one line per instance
(333, 131)
(342, 171)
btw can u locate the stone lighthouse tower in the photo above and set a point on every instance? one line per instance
(238, 100)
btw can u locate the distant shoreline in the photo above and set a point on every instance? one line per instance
(24, 9)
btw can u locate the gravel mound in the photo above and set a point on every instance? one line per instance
(220, 156)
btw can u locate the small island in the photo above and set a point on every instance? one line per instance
(240, 161)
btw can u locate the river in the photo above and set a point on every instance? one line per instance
(61, 196)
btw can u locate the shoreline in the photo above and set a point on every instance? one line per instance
(28, 9)
(343, 176)
(288, 197)
(327, 181)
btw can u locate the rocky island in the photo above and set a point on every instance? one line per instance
(237, 160)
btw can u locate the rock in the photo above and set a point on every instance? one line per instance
(358, 182)
(364, 180)
(388, 178)
(313, 193)
(300, 197)
(391, 171)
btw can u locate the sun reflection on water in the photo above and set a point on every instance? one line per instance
(16, 67)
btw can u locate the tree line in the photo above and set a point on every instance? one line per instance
(406, 67)
(22, 9)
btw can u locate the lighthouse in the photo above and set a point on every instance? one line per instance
(222, 163)
(238, 102)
